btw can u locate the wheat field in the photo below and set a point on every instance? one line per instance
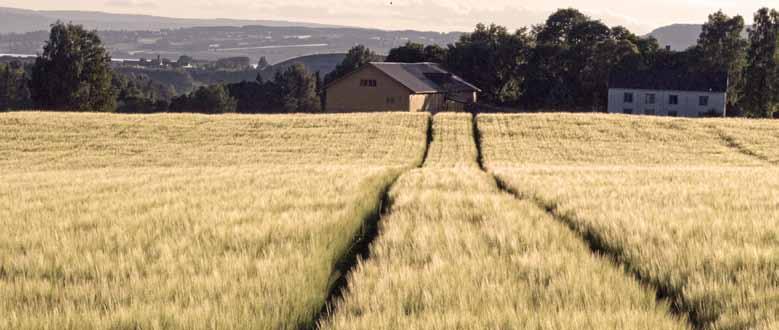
(455, 252)
(187, 221)
(691, 207)
(548, 221)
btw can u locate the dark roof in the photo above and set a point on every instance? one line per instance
(424, 77)
(670, 80)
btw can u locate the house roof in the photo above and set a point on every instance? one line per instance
(425, 77)
(716, 82)
(422, 78)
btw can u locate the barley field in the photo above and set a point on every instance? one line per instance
(455, 252)
(187, 221)
(690, 207)
(548, 221)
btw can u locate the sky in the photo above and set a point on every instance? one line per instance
(640, 16)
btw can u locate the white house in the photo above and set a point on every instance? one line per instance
(668, 93)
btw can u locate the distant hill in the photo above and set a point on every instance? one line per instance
(324, 63)
(679, 36)
(14, 20)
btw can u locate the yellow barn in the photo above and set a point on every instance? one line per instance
(384, 86)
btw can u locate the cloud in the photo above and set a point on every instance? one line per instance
(131, 4)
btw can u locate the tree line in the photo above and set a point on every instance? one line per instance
(564, 64)
(560, 65)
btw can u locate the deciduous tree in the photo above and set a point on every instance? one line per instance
(761, 88)
(73, 72)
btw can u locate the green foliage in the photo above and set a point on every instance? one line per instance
(293, 90)
(140, 94)
(414, 53)
(263, 63)
(493, 59)
(722, 49)
(73, 73)
(569, 66)
(184, 60)
(233, 63)
(14, 93)
(212, 99)
(761, 88)
(355, 58)
(298, 90)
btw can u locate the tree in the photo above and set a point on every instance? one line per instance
(298, 90)
(355, 58)
(722, 49)
(572, 58)
(73, 73)
(233, 63)
(761, 88)
(212, 99)
(184, 60)
(414, 53)
(492, 59)
(263, 63)
(14, 93)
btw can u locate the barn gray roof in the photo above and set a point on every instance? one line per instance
(424, 77)
(674, 80)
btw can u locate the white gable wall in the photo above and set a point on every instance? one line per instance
(688, 102)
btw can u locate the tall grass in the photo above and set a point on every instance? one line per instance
(690, 207)
(186, 221)
(455, 252)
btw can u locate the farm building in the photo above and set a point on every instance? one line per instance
(668, 93)
(383, 86)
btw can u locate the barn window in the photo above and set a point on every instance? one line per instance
(673, 99)
(390, 100)
(628, 97)
(367, 83)
(703, 101)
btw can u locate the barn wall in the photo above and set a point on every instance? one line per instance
(347, 95)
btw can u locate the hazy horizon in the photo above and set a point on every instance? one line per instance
(435, 15)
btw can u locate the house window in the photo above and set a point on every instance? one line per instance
(628, 97)
(650, 98)
(367, 83)
(673, 99)
(703, 101)
(673, 113)
(390, 100)
(650, 112)
(628, 111)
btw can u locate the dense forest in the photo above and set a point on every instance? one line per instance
(561, 65)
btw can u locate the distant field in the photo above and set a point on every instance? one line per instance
(186, 221)
(690, 206)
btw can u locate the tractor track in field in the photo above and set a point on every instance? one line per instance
(597, 245)
(361, 246)
(731, 142)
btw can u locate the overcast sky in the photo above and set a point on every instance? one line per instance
(641, 16)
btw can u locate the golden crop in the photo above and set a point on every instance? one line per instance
(455, 252)
(553, 221)
(691, 207)
(186, 221)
